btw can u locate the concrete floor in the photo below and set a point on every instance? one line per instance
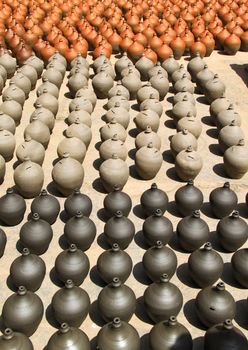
(231, 71)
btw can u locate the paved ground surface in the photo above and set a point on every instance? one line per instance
(231, 71)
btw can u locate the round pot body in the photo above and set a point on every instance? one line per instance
(12, 208)
(181, 140)
(240, 266)
(7, 144)
(157, 228)
(191, 124)
(81, 131)
(3, 241)
(236, 160)
(15, 340)
(148, 161)
(158, 260)
(218, 105)
(195, 65)
(188, 198)
(153, 199)
(111, 129)
(230, 136)
(47, 206)
(36, 235)
(70, 304)
(223, 201)
(78, 201)
(117, 200)
(114, 263)
(205, 266)
(188, 164)
(23, 311)
(113, 145)
(147, 136)
(192, 232)
(102, 83)
(31, 149)
(13, 109)
(7, 123)
(38, 131)
(145, 118)
(214, 304)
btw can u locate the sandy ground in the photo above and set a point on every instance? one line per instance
(231, 71)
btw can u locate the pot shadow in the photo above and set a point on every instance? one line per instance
(141, 312)
(133, 173)
(67, 94)
(135, 107)
(55, 161)
(132, 153)
(51, 188)
(168, 157)
(2, 325)
(169, 114)
(63, 216)
(50, 317)
(183, 275)
(215, 149)
(97, 163)
(63, 243)
(95, 278)
(137, 210)
(102, 242)
(202, 99)
(172, 209)
(15, 165)
(208, 120)
(19, 246)
(97, 145)
(140, 275)
(242, 71)
(169, 123)
(133, 132)
(54, 278)
(189, 311)
(144, 342)
(95, 316)
(10, 284)
(198, 343)
(243, 210)
(213, 239)
(241, 314)
(98, 186)
(93, 343)
(213, 132)
(174, 244)
(228, 277)
(206, 210)
(170, 99)
(171, 173)
(140, 240)
(220, 170)
(101, 214)
(105, 106)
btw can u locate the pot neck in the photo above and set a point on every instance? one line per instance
(64, 328)
(220, 286)
(72, 248)
(116, 323)
(164, 278)
(118, 214)
(227, 324)
(154, 186)
(69, 284)
(172, 321)
(115, 248)
(8, 334)
(208, 247)
(116, 282)
(21, 291)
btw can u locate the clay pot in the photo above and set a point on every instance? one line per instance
(119, 88)
(229, 136)
(214, 89)
(195, 65)
(153, 104)
(118, 335)
(76, 82)
(77, 201)
(132, 83)
(124, 227)
(119, 113)
(158, 260)
(107, 68)
(30, 149)
(148, 161)
(30, 72)
(50, 87)
(121, 63)
(218, 105)
(239, 266)
(13, 109)
(205, 266)
(203, 77)
(179, 74)
(116, 299)
(232, 232)
(72, 264)
(80, 230)
(236, 160)
(113, 171)
(15, 340)
(146, 137)
(179, 97)
(70, 304)
(130, 70)
(53, 75)
(170, 334)
(12, 208)
(161, 84)
(37, 63)
(23, 311)
(224, 334)
(9, 63)
(147, 118)
(181, 141)
(184, 84)
(153, 199)
(22, 82)
(47, 101)
(2, 169)
(226, 116)
(157, 68)
(15, 93)
(145, 91)
(7, 144)
(223, 200)
(38, 131)
(192, 232)
(188, 198)
(58, 58)
(74, 146)
(67, 337)
(113, 145)
(114, 263)
(113, 128)
(143, 65)
(43, 115)
(3, 74)
(102, 83)
(120, 99)
(162, 300)
(81, 103)
(214, 304)
(188, 164)
(190, 123)
(170, 65)
(47, 206)
(88, 94)
(182, 108)
(81, 115)
(178, 47)
(7, 123)
(28, 270)
(232, 44)
(67, 174)
(36, 235)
